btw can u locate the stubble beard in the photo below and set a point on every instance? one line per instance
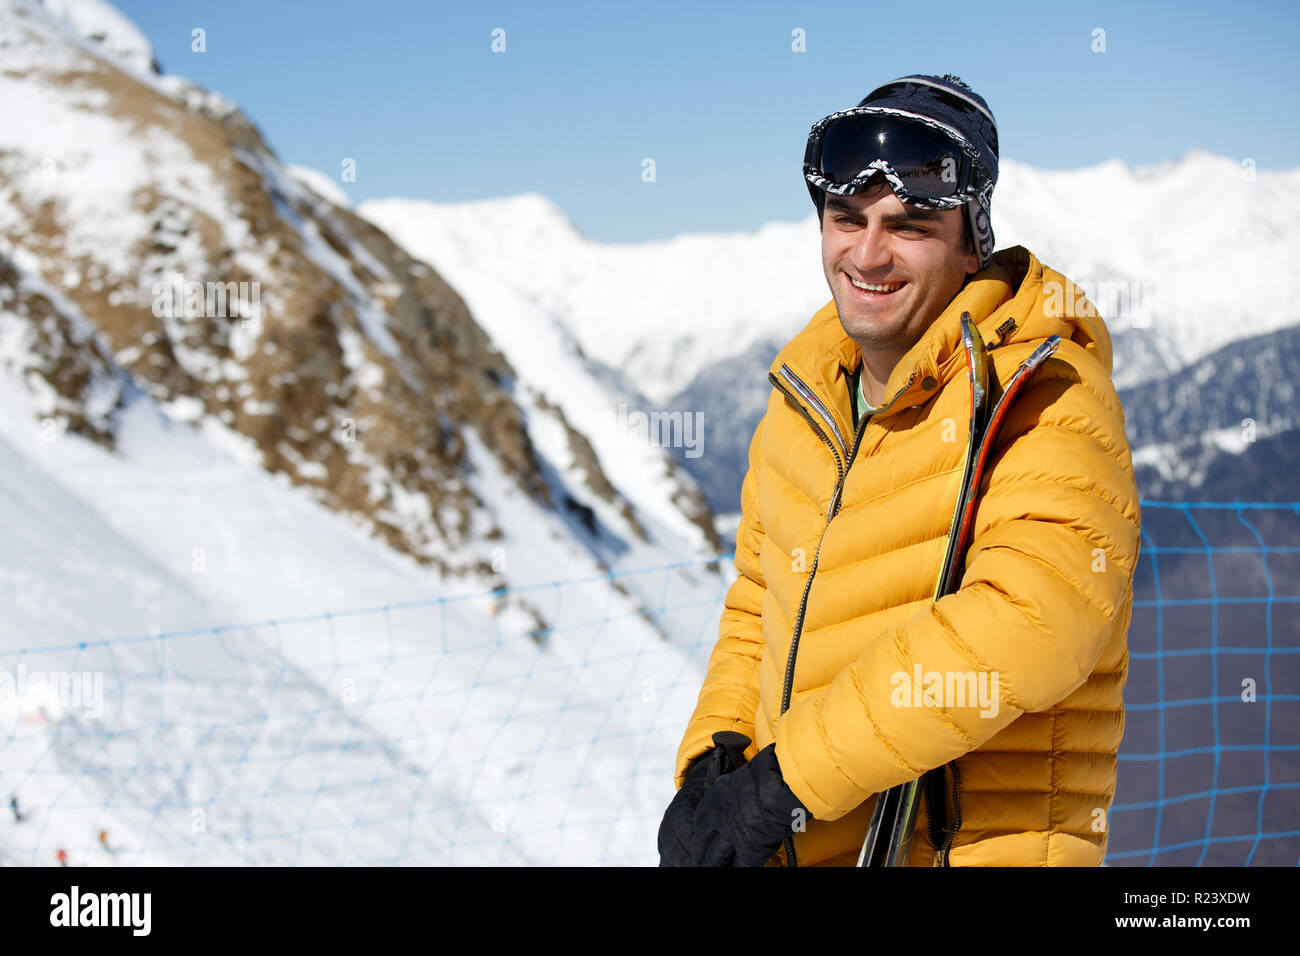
(870, 334)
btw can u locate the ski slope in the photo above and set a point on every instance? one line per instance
(382, 716)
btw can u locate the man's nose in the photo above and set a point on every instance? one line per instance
(871, 248)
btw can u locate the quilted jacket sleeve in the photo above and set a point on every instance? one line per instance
(729, 696)
(1050, 564)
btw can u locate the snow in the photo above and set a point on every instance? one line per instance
(385, 715)
(113, 33)
(369, 312)
(58, 146)
(68, 572)
(549, 364)
(19, 352)
(1186, 230)
(321, 184)
(656, 311)
(1184, 463)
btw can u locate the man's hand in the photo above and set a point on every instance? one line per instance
(676, 832)
(678, 826)
(742, 819)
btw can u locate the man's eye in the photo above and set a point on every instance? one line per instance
(845, 219)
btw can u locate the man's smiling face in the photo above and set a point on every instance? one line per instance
(912, 261)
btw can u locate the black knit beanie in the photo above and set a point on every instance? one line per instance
(946, 99)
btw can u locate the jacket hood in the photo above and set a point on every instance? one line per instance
(1014, 285)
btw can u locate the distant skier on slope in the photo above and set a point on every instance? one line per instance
(13, 805)
(945, 624)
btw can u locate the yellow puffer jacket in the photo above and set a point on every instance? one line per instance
(1040, 620)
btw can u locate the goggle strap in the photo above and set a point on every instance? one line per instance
(921, 81)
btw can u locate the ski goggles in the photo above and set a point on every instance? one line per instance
(925, 162)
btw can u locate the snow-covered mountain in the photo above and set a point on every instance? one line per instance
(696, 320)
(1160, 250)
(1224, 428)
(242, 298)
(657, 312)
(1181, 258)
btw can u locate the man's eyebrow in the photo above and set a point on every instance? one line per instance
(909, 214)
(913, 214)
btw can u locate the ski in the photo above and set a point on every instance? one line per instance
(889, 835)
(885, 839)
(1022, 375)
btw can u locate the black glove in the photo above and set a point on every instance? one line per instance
(679, 819)
(677, 828)
(742, 819)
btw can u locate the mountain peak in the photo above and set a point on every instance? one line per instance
(530, 208)
(108, 29)
(1193, 160)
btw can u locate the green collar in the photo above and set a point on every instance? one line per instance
(862, 398)
(860, 406)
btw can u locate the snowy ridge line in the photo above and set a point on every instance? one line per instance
(381, 608)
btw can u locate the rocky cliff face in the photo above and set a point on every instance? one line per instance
(76, 384)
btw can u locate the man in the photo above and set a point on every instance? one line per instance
(833, 657)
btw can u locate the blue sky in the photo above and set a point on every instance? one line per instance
(714, 93)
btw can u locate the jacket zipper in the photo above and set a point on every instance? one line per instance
(811, 398)
(841, 471)
(934, 794)
(946, 852)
